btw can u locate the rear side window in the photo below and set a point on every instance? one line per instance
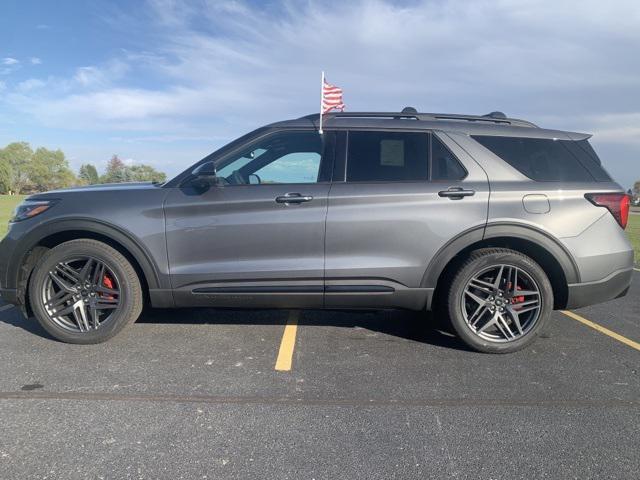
(547, 160)
(387, 156)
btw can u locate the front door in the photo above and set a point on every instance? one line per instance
(256, 236)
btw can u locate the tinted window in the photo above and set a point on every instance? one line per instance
(285, 157)
(546, 160)
(444, 165)
(584, 152)
(387, 156)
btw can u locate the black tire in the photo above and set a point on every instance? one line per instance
(483, 260)
(130, 290)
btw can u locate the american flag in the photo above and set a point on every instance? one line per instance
(331, 97)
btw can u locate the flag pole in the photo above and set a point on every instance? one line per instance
(321, 100)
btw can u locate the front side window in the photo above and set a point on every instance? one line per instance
(387, 156)
(284, 157)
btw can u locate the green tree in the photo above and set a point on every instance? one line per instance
(5, 176)
(146, 173)
(17, 156)
(636, 188)
(49, 170)
(89, 174)
(117, 171)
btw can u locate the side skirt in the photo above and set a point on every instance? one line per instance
(333, 294)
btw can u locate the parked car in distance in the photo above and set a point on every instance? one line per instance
(490, 220)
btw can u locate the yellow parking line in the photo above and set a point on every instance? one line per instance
(5, 307)
(288, 343)
(602, 329)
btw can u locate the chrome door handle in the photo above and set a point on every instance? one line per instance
(456, 193)
(293, 198)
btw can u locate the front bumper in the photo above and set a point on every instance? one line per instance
(611, 287)
(8, 272)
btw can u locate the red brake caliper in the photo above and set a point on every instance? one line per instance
(108, 283)
(518, 299)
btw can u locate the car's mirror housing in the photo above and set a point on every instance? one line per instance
(205, 170)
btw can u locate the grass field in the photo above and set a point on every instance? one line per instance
(8, 203)
(633, 230)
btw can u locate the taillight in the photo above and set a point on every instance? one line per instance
(616, 203)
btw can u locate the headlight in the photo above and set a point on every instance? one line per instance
(30, 209)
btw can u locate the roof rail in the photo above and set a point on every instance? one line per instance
(493, 117)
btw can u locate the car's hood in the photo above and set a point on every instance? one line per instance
(98, 188)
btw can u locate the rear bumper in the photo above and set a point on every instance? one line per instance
(611, 287)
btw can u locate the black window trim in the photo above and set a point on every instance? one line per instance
(339, 174)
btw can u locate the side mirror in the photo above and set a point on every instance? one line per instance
(206, 170)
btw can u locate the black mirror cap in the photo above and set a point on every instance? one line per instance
(207, 169)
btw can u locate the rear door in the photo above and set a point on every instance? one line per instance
(402, 197)
(257, 237)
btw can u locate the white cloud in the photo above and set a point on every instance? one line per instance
(101, 76)
(437, 55)
(30, 84)
(166, 138)
(88, 75)
(35, 61)
(9, 65)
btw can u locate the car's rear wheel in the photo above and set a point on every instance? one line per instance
(499, 300)
(84, 291)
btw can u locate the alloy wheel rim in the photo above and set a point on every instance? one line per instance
(81, 294)
(501, 303)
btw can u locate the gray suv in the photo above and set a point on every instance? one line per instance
(489, 220)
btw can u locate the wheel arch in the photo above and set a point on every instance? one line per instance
(48, 235)
(555, 260)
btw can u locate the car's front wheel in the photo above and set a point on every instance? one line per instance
(84, 291)
(499, 300)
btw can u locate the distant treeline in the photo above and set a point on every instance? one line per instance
(24, 171)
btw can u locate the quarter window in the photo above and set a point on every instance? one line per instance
(444, 165)
(547, 160)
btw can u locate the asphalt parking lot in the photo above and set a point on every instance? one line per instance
(320, 395)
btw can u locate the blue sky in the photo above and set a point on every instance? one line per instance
(166, 82)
